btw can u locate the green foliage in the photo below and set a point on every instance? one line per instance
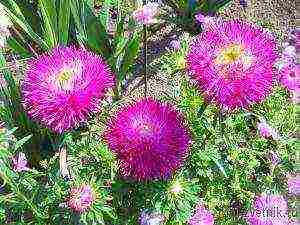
(185, 11)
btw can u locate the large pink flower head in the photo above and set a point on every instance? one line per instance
(232, 61)
(81, 198)
(202, 216)
(61, 88)
(269, 210)
(149, 139)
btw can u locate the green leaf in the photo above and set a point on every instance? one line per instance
(50, 21)
(17, 47)
(16, 16)
(64, 21)
(98, 38)
(75, 10)
(21, 142)
(130, 55)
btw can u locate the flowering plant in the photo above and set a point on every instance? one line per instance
(96, 128)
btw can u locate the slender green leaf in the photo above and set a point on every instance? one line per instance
(130, 55)
(21, 142)
(97, 37)
(48, 10)
(75, 9)
(17, 17)
(18, 47)
(64, 21)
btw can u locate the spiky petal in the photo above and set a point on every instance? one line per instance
(268, 209)
(232, 62)
(81, 198)
(61, 88)
(149, 139)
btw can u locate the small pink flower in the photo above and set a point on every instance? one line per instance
(202, 216)
(294, 184)
(200, 17)
(206, 21)
(146, 14)
(175, 44)
(273, 157)
(268, 210)
(287, 69)
(151, 218)
(289, 51)
(265, 130)
(19, 162)
(81, 198)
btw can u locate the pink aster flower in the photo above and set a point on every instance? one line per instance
(146, 14)
(265, 130)
(151, 218)
(202, 216)
(294, 184)
(81, 198)
(268, 210)
(61, 88)
(232, 63)
(149, 139)
(19, 162)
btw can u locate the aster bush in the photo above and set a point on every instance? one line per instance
(85, 138)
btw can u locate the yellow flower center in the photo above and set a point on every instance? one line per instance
(65, 78)
(230, 54)
(233, 61)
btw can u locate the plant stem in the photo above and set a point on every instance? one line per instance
(145, 55)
